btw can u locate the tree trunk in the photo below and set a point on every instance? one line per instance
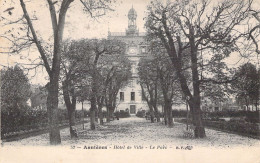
(199, 131)
(52, 109)
(165, 115)
(108, 117)
(96, 115)
(169, 113)
(93, 109)
(92, 119)
(111, 113)
(73, 132)
(151, 114)
(100, 114)
(156, 113)
(71, 107)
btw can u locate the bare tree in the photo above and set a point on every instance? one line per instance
(149, 82)
(114, 74)
(75, 68)
(50, 59)
(119, 79)
(191, 25)
(99, 49)
(157, 76)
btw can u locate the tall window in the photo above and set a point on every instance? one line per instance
(132, 83)
(143, 49)
(122, 98)
(132, 96)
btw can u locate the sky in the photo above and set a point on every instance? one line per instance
(78, 25)
(115, 21)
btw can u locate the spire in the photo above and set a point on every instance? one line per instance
(132, 29)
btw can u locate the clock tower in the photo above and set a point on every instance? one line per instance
(130, 97)
(132, 29)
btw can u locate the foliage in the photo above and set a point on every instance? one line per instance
(208, 31)
(179, 113)
(240, 127)
(250, 116)
(122, 114)
(140, 113)
(24, 34)
(27, 119)
(247, 86)
(15, 89)
(236, 126)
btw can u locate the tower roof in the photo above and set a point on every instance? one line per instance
(132, 13)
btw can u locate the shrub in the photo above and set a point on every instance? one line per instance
(229, 113)
(28, 119)
(179, 113)
(253, 117)
(122, 114)
(235, 125)
(140, 113)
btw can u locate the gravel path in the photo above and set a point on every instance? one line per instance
(138, 131)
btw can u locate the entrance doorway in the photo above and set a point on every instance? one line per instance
(132, 109)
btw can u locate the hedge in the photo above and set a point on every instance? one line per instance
(122, 114)
(140, 113)
(28, 119)
(237, 126)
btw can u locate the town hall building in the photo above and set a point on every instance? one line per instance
(130, 97)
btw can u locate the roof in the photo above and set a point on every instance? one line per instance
(132, 13)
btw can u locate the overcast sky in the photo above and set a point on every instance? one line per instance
(78, 25)
(83, 26)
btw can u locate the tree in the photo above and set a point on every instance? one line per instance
(15, 93)
(115, 74)
(253, 31)
(74, 70)
(120, 75)
(15, 89)
(157, 76)
(246, 87)
(169, 86)
(50, 59)
(149, 81)
(100, 48)
(187, 26)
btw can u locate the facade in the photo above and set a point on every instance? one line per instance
(210, 105)
(38, 99)
(130, 97)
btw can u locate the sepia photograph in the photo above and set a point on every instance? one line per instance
(130, 81)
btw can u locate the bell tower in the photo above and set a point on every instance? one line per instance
(132, 29)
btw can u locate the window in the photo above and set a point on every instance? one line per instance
(131, 83)
(132, 96)
(122, 98)
(143, 49)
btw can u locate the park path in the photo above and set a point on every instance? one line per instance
(138, 131)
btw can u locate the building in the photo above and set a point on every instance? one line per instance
(130, 97)
(38, 98)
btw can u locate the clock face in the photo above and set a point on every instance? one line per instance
(132, 50)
